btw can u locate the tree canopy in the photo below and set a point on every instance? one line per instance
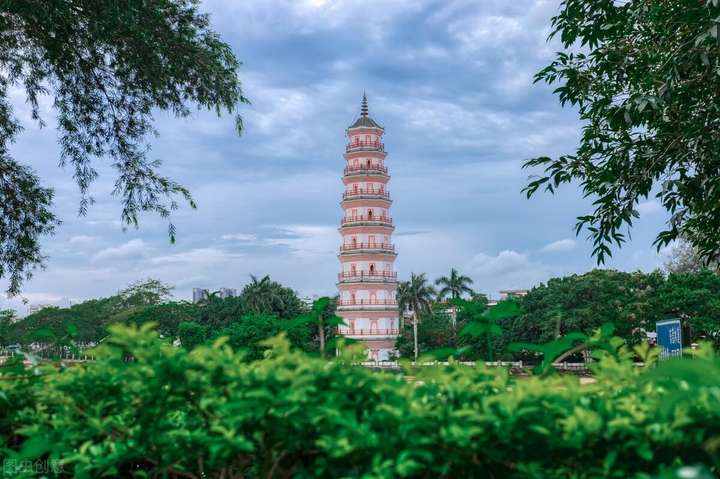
(107, 66)
(643, 76)
(455, 285)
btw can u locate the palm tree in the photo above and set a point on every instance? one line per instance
(416, 295)
(455, 285)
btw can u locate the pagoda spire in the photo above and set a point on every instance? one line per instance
(364, 106)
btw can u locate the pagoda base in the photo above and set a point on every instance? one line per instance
(379, 349)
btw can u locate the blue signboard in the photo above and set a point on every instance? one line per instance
(669, 338)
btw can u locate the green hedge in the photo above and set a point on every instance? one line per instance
(168, 412)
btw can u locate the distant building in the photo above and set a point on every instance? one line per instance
(199, 295)
(513, 293)
(309, 300)
(225, 293)
(34, 308)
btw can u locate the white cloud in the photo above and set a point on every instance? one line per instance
(198, 257)
(83, 240)
(307, 241)
(649, 207)
(507, 270)
(505, 262)
(243, 237)
(133, 249)
(559, 246)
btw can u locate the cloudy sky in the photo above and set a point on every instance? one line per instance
(451, 82)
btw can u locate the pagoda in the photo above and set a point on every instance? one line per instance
(367, 282)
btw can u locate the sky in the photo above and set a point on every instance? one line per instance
(452, 84)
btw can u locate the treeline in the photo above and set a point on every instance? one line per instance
(262, 310)
(631, 302)
(453, 319)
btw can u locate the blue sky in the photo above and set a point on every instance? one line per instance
(451, 82)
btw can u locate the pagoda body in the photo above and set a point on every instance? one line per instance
(367, 282)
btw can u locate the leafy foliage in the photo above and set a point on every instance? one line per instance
(481, 324)
(207, 413)
(455, 285)
(107, 66)
(631, 302)
(643, 76)
(583, 303)
(267, 296)
(694, 297)
(435, 330)
(416, 294)
(684, 258)
(25, 211)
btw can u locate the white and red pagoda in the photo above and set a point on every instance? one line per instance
(367, 282)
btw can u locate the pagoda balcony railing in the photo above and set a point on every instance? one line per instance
(360, 192)
(369, 332)
(366, 219)
(365, 146)
(366, 170)
(367, 302)
(368, 275)
(345, 248)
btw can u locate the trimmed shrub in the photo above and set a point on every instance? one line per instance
(169, 412)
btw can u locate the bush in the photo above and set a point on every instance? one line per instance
(170, 412)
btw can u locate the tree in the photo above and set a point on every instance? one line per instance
(695, 298)
(167, 316)
(322, 316)
(192, 334)
(216, 312)
(583, 303)
(480, 322)
(643, 77)
(417, 296)
(145, 293)
(107, 66)
(684, 258)
(435, 330)
(455, 285)
(267, 296)
(7, 318)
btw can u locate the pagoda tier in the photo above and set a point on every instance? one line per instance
(367, 282)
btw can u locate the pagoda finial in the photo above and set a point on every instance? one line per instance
(364, 107)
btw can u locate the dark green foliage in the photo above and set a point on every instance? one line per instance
(171, 412)
(148, 301)
(192, 334)
(631, 302)
(217, 312)
(584, 303)
(695, 297)
(321, 317)
(92, 317)
(480, 324)
(166, 316)
(435, 331)
(108, 66)
(7, 317)
(25, 215)
(247, 333)
(643, 76)
(267, 296)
